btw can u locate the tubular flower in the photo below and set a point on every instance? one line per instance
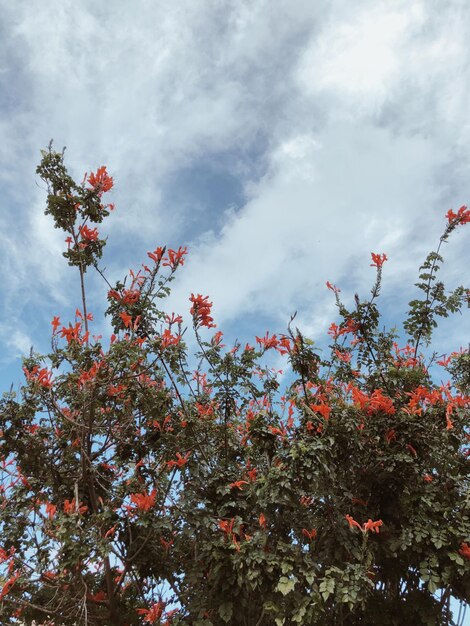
(152, 615)
(144, 501)
(201, 311)
(309, 534)
(88, 234)
(100, 181)
(378, 260)
(465, 550)
(462, 216)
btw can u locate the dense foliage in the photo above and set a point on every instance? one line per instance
(142, 486)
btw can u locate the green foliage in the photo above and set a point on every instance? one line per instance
(139, 488)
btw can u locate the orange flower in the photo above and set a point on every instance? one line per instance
(70, 507)
(180, 460)
(126, 318)
(144, 501)
(8, 585)
(101, 181)
(310, 534)
(88, 234)
(201, 311)
(238, 484)
(372, 526)
(156, 255)
(152, 615)
(50, 510)
(352, 522)
(378, 260)
(463, 215)
(465, 550)
(175, 258)
(262, 521)
(55, 323)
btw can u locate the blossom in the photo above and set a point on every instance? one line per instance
(144, 501)
(100, 181)
(50, 510)
(352, 522)
(226, 525)
(70, 507)
(175, 258)
(262, 521)
(126, 318)
(180, 460)
(372, 526)
(310, 534)
(238, 484)
(378, 260)
(152, 615)
(267, 342)
(72, 333)
(168, 339)
(465, 550)
(41, 376)
(8, 585)
(55, 324)
(369, 525)
(88, 234)
(462, 216)
(157, 254)
(201, 311)
(333, 288)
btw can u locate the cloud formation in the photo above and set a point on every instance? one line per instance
(281, 141)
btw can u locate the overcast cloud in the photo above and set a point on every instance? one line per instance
(281, 141)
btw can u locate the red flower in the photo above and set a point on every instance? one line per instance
(201, 311)
(465, 550)
(8, 585)
(462, 216)
(175, 258)
(372, 526)
(42, 376)
(226, 526)
(352, 522)
(262, 521)
(378, 260)
(310, 534)
(168, 339)
(126, 318)
(70, 507)
(50, 510)
(144, 501)
(101, 181)
(267, 341)
(333, 288)
(55, 324)
(180, 462)
(238, 484)
(369, 525)
(156, 255)
(152, 615)
(88, 234)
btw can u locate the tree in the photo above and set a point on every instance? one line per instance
(137, 488)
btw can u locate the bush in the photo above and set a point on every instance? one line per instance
(139, 489)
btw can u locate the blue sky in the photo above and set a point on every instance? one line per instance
(282, 142)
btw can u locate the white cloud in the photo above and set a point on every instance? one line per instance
(356, 111)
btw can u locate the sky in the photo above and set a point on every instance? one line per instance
(282, 142)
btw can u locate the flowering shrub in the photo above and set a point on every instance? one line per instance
(138, 490)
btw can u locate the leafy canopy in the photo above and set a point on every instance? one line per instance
(137, 488)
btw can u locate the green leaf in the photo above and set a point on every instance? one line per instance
(226, 611)
(286, 585)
